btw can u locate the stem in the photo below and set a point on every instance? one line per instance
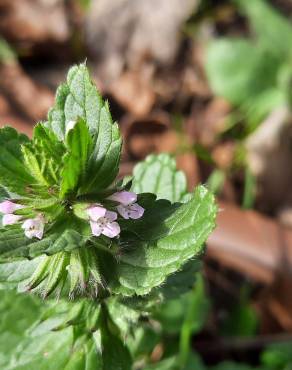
(103, 248)
(186, 333)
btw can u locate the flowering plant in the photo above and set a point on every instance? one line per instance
(71, 230)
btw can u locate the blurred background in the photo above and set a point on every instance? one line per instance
(210, 82)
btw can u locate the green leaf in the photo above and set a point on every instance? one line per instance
(158, 175)
(23, 347)
(14, 244)
(43, 155)
(103, 165)
(243, 320)
(18, 312)
(115, 354)
(78, 143)
(181, 282)
(272, 30)
(278, 356)
(234, 76)
(3, 195)
(78, 98)
(13, 174)
(7, 54)
(171, 363)
(169, 235)
(191, 310)
(166, 364)
(13, 273)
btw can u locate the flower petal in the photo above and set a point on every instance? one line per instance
(96, 228)
(123, 211)
(39, 234)
(111, 216)
(136, 211)
(34, 227)
(95, 212)
(124, 197)
(112, 229)
(29, 223)
(8, 207)
(10, 219)
(133, 211)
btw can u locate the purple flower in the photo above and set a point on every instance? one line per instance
(103, 222)
(8, 207)
(128, 208)
(10, 219)
(34, 227)
(95, 211)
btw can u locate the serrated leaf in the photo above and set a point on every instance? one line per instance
(181, 282)
(78, 98)
(24, 349)
(79, 144)
(13, 174)
(43, 155)
(177, 238)
(158, 175)
(103, 165)
(14, 244)
(13, 273)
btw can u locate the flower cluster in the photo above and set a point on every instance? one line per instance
(103, 221)
(33, 227)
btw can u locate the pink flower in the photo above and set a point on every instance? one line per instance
(128, 207)
(8, 207)
(10, 219)
(34, 227)
(95, 211)
(103, 222)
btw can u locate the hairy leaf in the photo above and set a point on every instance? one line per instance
(14, 244)
(78, 98)
(104, 162)
(167, 240)
(43, 156)
(13, 174)
(78, 143)
(158, 175)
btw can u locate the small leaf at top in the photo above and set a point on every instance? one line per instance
(79, 144)
(79, 98)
